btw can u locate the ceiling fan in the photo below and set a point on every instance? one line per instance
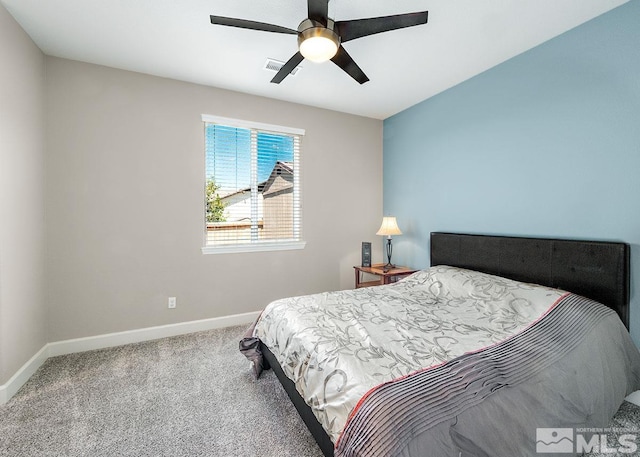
(320, 38)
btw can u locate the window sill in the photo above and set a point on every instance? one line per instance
(257, 247)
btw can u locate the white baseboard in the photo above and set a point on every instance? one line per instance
(634, 397)
(27, 370)
(147, 334)
(14, 384)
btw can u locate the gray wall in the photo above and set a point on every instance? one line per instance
(125, 171)
(22, 309)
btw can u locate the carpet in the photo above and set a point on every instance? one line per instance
(190, 395)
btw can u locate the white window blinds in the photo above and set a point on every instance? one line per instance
(252, 190)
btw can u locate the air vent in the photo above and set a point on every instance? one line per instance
(275, 66)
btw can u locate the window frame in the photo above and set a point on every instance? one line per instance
(258, 246)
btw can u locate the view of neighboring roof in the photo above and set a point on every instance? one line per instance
(278, 168)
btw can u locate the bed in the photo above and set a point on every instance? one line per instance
(512, 357)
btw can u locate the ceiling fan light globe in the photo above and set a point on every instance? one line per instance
(318, 49)
(317, 43)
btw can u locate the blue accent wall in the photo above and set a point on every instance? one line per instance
(546, 144)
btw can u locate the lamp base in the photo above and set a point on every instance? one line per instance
(389, 265)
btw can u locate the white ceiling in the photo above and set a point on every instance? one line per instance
(175, 39)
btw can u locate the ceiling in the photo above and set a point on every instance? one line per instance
(175, 39)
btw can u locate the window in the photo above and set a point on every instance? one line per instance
(252, 186)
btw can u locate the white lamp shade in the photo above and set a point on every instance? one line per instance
(389, 227)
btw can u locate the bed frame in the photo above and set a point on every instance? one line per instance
(595, 269)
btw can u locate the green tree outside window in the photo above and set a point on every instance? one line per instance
(215, 205)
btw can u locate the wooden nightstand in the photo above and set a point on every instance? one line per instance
(386, 277)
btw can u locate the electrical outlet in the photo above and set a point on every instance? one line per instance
(172, 302)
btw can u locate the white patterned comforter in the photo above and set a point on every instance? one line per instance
(337, 346)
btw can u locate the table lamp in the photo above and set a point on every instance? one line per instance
(389, 227)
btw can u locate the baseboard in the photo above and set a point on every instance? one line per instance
(13, 385)
(147, 334)
(90, 343)
(634, 398)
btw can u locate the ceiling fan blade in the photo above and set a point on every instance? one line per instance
(344, 61)
(318, 10)
(252, 25)
(357, 28)
(287, 68)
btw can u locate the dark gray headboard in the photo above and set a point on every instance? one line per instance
(595, 269)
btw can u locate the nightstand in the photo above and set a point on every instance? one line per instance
(385, 276)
